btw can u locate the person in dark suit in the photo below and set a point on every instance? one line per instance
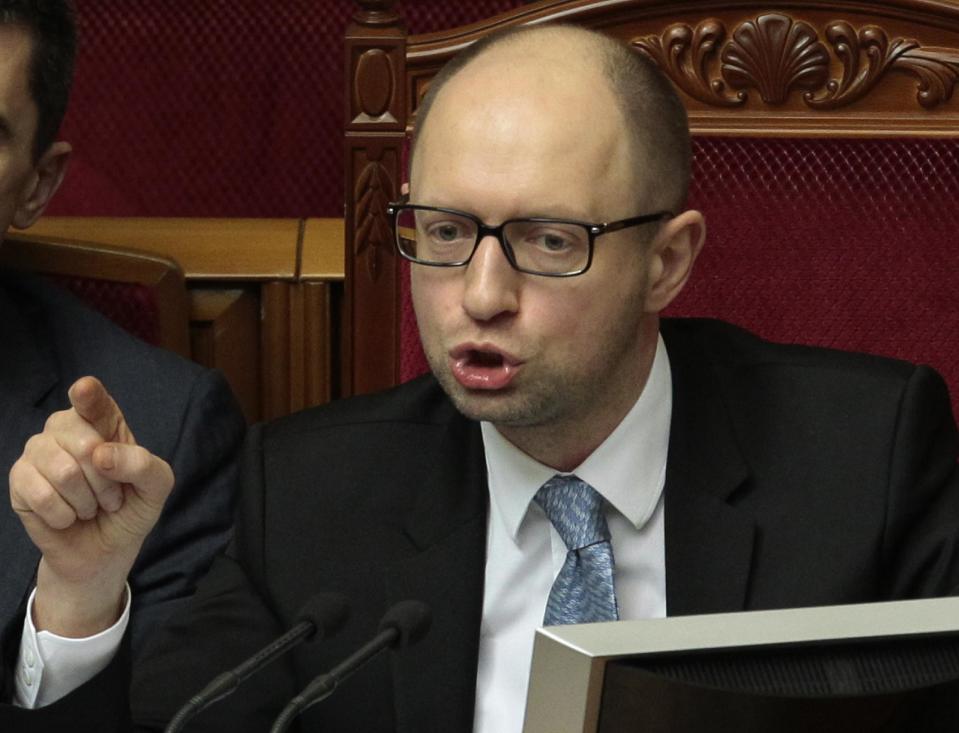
(732, 473)
(50, 340)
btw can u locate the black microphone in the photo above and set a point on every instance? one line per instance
(322, 616)
(405, 623)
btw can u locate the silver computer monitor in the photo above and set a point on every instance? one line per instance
(888, 667)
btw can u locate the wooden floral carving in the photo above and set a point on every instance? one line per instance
(776, 56)
(372, 236)
(685, 55)
(868, 55)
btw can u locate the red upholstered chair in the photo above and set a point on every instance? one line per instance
(826, 141)
(142, 292)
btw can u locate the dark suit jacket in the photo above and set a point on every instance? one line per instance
(795, 477)
(176, 409)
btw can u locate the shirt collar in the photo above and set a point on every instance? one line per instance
(628, 468)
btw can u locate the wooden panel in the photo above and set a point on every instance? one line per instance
(295, 347)
(318, 340)
(263, 294)
(208, 249)
(322, 255)
(275, 345)
(225, 335)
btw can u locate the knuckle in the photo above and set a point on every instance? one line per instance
(35, 444)
(18, 472)
(61, 519)
(65, 472)
(46, 501)
(85, 446)
(106, 489)
(54, 421)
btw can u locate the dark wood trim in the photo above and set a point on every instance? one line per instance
(375, 133)
(264, 298)
(225, 335)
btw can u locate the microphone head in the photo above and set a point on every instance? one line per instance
(327, 612)
(410, 619)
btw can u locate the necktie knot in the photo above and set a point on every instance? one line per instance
(575, 509)
(583, 591)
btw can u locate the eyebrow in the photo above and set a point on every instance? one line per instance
(559, 212)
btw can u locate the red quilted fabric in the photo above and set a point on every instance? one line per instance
(217, 107)
(212, 108)
(842, 243)
(834, 242)
(426, 16)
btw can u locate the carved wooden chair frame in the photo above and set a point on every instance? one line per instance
(827, 68)
(66, 258)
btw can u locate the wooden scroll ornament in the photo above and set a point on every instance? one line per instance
(776, 55)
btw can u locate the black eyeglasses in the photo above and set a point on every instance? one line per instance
(431, 235)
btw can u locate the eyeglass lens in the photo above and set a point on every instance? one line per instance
(445, 238)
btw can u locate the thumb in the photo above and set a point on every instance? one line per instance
(150, 476)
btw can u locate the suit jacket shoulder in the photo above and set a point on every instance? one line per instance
(803, 476)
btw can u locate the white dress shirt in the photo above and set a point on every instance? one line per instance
(524, 556)
(50, 667)
(525, 553)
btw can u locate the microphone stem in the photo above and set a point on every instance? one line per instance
(323, 686)
(278, 648)
(223, 684)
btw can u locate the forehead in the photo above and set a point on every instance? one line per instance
(530, 131)
(17, 109)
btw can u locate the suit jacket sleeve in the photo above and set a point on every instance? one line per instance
(197, 519)
(921, 542)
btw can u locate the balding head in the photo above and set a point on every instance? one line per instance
(531, 128)
(591, 78)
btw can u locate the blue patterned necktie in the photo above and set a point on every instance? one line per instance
(583, 591)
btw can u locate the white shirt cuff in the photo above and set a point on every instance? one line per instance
(50, 667)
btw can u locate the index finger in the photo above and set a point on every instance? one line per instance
(94, 404)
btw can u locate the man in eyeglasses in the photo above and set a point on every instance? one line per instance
(573, 458)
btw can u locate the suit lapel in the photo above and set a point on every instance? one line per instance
(27, 375)
(435, 681)
(709, 542)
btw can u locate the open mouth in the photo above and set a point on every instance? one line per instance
(483, 367)
(484, 358)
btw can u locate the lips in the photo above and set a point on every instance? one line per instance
(483, 366)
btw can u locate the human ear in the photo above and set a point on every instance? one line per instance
(671, 257)
(42, 184)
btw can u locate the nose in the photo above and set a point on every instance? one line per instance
(492, 285)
